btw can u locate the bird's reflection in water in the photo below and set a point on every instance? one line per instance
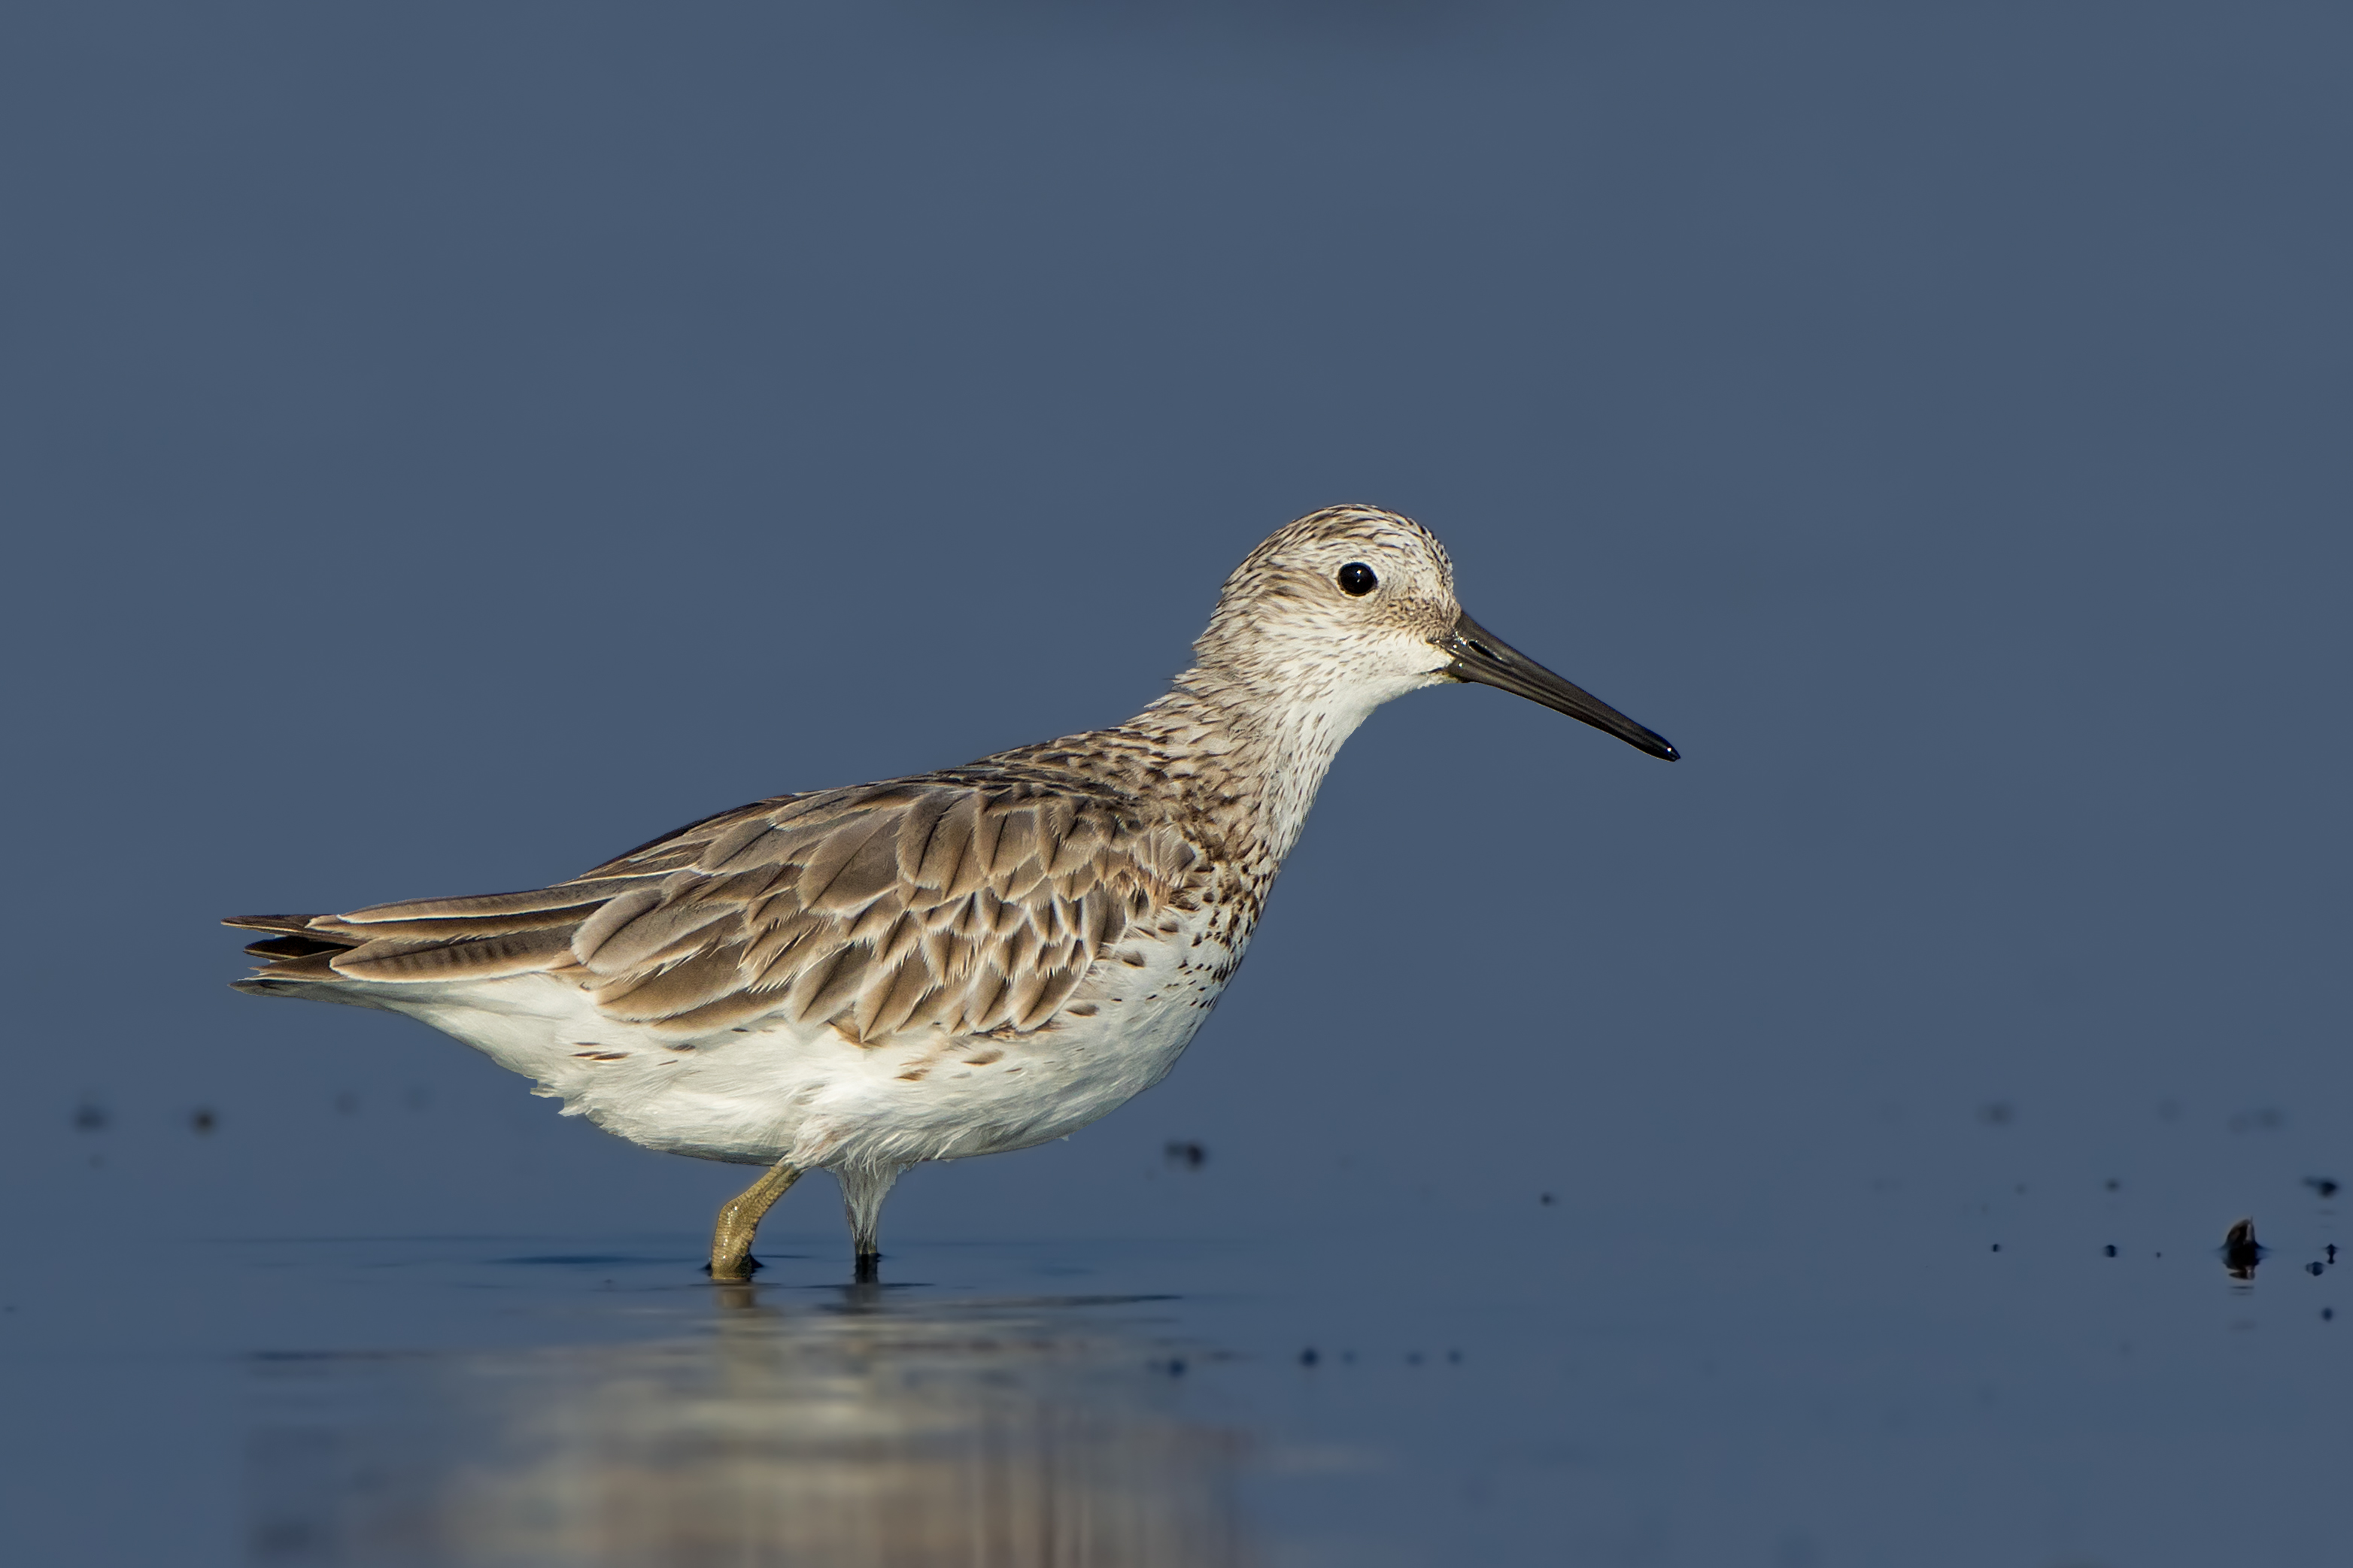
(863, 1433)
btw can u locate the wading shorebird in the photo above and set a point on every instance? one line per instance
(959, 962)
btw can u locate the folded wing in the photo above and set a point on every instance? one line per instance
(973, 905)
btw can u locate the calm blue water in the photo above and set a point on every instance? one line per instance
(1865, 1379)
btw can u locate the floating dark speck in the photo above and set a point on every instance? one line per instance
(1546, 1199)
(1308, 1356)
(90, 1116)
(2241, 1251)
(1185, 1155)
(2109, 1250)
(2325, 1186)
(2316, 1269)
(1997, 1114)
(1997, 1247)
(202, 1121)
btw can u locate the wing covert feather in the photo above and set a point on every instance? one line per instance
(971, 902)
(969, 906)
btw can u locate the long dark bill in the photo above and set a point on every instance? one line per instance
(1481, 656)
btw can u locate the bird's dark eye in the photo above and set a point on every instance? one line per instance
(1356, 579)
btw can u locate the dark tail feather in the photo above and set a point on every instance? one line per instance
(297, 954)
(294, 947)
(270, 922)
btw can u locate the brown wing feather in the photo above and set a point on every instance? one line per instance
(973, 902)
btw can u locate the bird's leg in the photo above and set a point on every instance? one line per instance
(864, 1189)
(739, 1221)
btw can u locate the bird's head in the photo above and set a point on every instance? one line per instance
(1350, 606)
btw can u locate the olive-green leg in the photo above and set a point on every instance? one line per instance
(739, 1221)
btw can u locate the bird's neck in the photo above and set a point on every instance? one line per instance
(1246, 758)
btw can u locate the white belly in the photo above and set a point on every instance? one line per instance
(815, 1098)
